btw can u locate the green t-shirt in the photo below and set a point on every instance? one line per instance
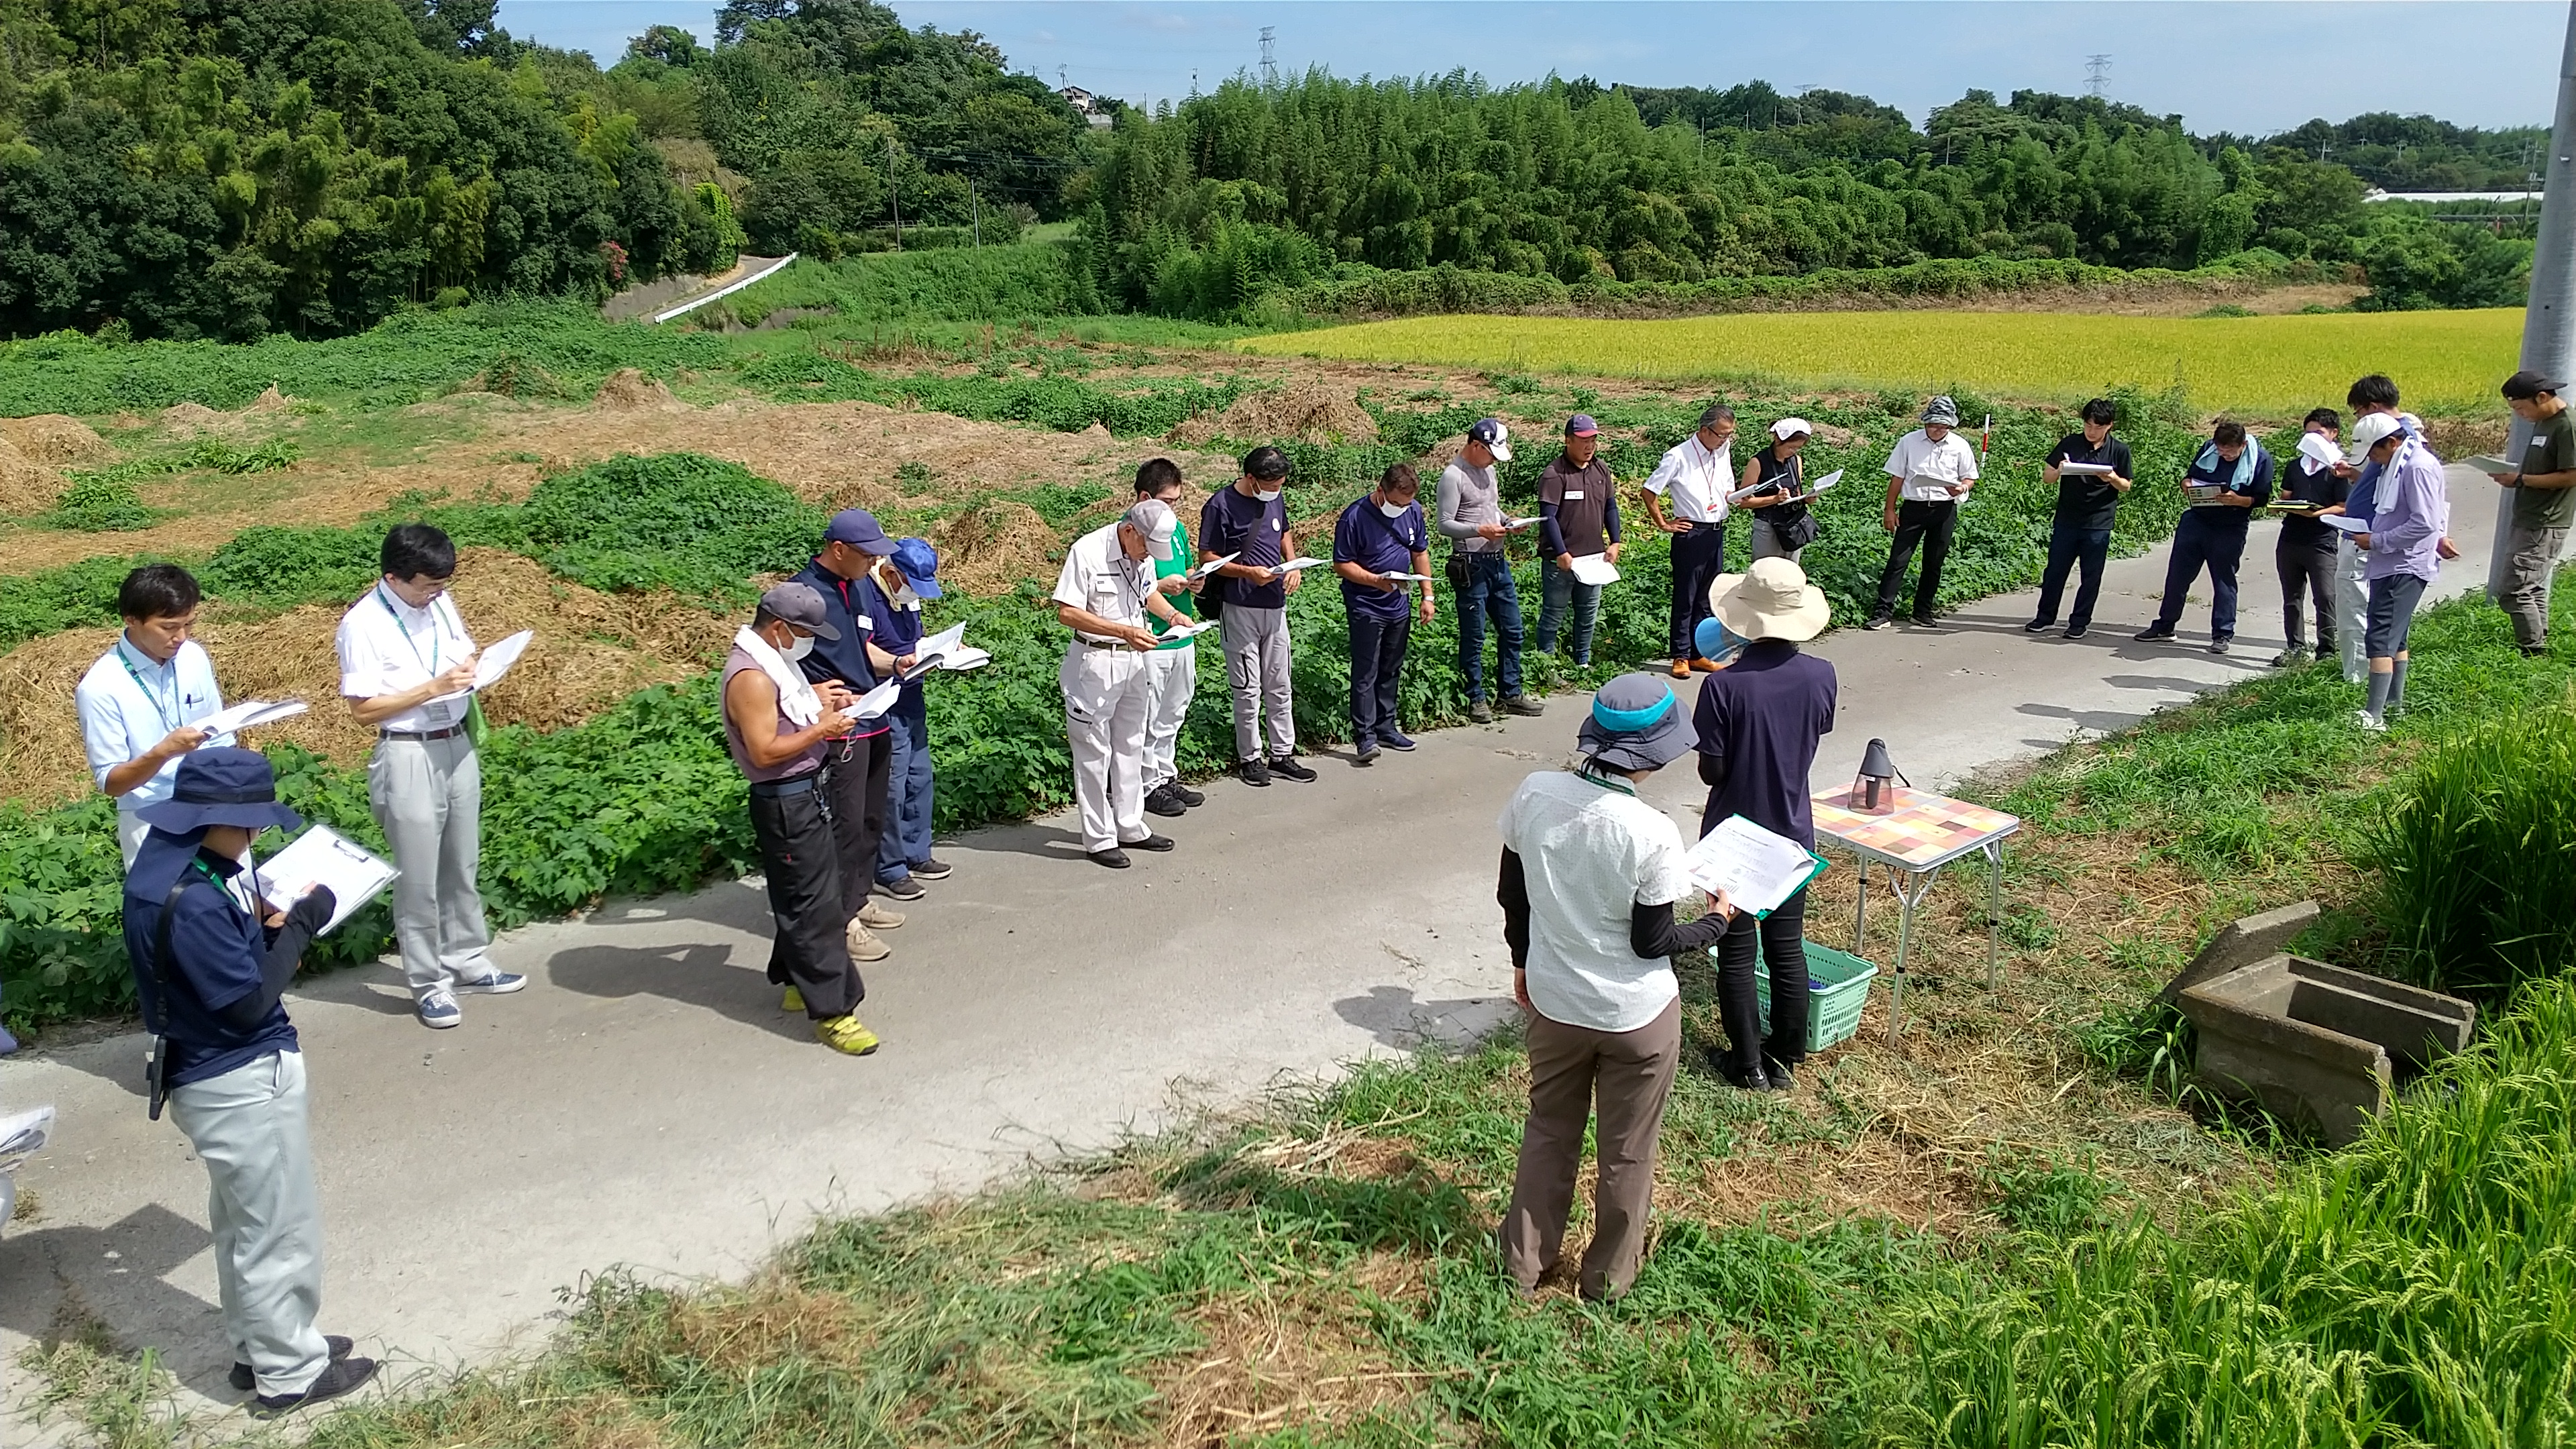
(1182, 604)
(2552, 450)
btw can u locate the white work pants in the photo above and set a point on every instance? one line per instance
(2351, 606)
(1172, 678)
(249, 1128)
(1106, 695)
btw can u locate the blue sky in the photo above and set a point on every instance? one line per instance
(2246, 67)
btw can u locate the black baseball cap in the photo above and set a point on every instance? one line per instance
(2527, 384)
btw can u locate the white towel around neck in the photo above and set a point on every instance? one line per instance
(796, 697)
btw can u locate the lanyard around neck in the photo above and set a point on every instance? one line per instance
(430, 663)
(169, 712)
(1606, 783)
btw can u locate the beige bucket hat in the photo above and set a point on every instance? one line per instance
(1770, 600)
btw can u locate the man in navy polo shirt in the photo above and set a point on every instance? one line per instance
(1378, 536)
(2229, 480)
(1249, 521)
(857, 766)
(895, 589)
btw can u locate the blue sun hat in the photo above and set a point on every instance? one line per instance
(1715, 642)
(918, 562)
(1634, 725)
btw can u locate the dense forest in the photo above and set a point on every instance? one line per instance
(230, 168)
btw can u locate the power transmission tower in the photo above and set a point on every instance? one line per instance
(2097, 74)
(1270, 57)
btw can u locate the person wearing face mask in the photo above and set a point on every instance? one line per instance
(407, 667)
(893, 593)
(779, 727)
(140, 702)
(1103, 595)
(1378, 536)
(1248, 520)
(858, 768)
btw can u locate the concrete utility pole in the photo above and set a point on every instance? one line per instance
(2549, 320)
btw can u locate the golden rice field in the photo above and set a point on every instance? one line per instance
(2271, 364)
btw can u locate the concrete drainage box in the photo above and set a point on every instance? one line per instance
(2316, 1044)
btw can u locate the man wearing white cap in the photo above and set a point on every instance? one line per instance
(1103, 595)
(1928, 472)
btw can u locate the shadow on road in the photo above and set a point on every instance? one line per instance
(1396, 1019)
(700, 975)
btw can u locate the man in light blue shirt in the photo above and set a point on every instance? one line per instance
(140, 702)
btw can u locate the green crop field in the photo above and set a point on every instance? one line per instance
(2264, 364)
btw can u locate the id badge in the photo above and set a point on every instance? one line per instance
(155, 1071)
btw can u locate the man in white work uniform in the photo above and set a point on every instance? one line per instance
(407, 667)
(140, 702)
(1103, 595)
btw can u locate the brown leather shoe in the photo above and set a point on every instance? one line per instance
(1681, 669)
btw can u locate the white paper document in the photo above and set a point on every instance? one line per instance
(323, 856)
(22, 1133)
(495, 661)
(2071, 468)
(963, 658)
(1191, 630)
(1757, 868)
(1406, 578)
(940, 643)
(2491, 465)
(2321, 450)
(2348, 525)
(1594, 569)
(1517, 524)
(1294, 564)
(876, 701)
(1208, 566)
(249, 714)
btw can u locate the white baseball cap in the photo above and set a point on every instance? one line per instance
(2370, 432)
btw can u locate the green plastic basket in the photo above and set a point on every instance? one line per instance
(1840, 987)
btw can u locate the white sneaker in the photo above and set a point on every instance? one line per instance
(2371, 722)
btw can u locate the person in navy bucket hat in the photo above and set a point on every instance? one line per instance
(211, 962)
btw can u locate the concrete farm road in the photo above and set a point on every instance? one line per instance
(645, 1102)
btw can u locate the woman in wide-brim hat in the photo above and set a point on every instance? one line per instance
(1758, 724)
(1590, 875)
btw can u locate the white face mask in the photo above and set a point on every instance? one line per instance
(1269, 495)
(798, 648)
(904, 597)
(1393, 510)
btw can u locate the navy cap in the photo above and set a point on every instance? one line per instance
(1495, 437)
(859, 529)
(222, 786)
(1581, 426)
(918, 562)
(802, 606)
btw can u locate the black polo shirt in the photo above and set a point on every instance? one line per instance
(1232, 523)
(2320, 487)
(1764, 715)
(2087, 500)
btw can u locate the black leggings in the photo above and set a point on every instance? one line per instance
(1784, 949)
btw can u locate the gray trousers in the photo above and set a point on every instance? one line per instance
(249, 1128)
(2530, 558)
(1175, 678)
(427, 795)
(1256, 664)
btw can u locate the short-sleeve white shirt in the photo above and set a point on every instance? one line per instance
(1099, 578)
(128, 703)
(387, 646)
(1929, 468)
(1696, 479)
(1589, 854)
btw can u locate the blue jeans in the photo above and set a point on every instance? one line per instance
(2202, 540)
(1489, 592)
(2069, 547)
(1377, 665)
(1556, 588)
(907, 819)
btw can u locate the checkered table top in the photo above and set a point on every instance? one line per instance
(1924, 830)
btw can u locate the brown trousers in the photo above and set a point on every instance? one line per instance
(1632, 1073)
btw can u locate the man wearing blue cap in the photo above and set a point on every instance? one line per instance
(211, 963)
(894, 591)
(858, 765)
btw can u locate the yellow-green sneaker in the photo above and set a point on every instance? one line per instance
(844, 1034)
(792, 1001)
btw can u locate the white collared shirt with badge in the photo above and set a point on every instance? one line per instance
(1698, 479)
(129, 702)
(1100, 579)
(1929, 468)
(387, 646)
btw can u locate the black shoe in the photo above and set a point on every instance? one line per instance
(2291, 658)
(1880, 621)
(1366, 754)
(1395, 739)
(1160, 802)
(2153, 634)
(2039, 626)
(243, 1380)
(1287, 765)
(1157, 843)
(2219, 646)
(1253, 772)
(930, 868)
(339, 1377)
(1777, 1073)
(1185, 794)
(1523, 705)
(2076, 631)
(1113, 857)
(1479, 712)
(1929, 621)
(906, 889)
(2529, 651)
(1738, 1078)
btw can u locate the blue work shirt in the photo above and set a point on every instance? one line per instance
(844, 659)
(217, 950)
(1232, 523)
(129, 702)
(1382, 545)
(897, 629)
(1764, 715)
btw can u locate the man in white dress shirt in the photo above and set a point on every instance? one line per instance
(407, 667)
(1928, 472)
(1105, 591)
(140, 702)
(1696, 476)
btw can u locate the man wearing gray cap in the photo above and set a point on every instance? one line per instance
(1928, 472)
(1103, 594)
(778, 726)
